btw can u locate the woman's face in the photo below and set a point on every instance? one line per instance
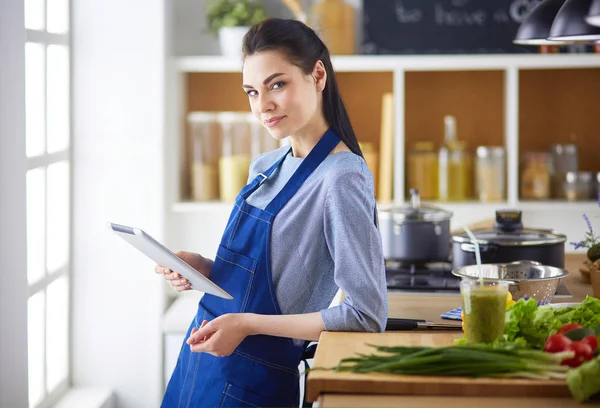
(281, 96)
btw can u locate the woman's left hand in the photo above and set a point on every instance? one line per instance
(221, 336)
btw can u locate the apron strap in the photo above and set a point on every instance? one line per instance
(261, 177)
(316, 156)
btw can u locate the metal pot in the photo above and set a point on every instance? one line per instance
(415, 233)
(508, 242)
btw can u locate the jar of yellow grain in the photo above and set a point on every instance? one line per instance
(235, 159)
(205, 152)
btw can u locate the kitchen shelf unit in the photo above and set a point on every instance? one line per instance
(521, 101)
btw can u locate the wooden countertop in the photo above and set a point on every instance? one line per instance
(429, 307)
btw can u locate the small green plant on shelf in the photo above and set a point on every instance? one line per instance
(233, 13)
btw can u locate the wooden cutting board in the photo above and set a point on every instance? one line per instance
(335, 346)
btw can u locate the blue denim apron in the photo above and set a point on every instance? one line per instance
(263, 370)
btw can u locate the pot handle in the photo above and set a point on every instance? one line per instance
(466, 247)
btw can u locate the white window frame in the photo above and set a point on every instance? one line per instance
(43, 161)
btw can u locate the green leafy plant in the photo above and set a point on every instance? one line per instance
(233, 13)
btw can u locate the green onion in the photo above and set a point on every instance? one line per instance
(469, 361)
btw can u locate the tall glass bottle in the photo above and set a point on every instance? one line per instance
(454, 165)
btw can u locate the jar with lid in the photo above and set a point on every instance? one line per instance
(205, 148)
(565, 159)
(261, 139)
(422, 170)
(535, 176)
(490, 173)
(577, 185)
(234, 163)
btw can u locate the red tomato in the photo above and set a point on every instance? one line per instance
(557, 343)
(569, 327)
(583, 353)
(591, 340)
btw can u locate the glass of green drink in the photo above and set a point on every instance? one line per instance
(484, 307)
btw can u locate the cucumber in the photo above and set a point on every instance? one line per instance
(578, 334)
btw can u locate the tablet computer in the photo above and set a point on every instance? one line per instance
(163, 256)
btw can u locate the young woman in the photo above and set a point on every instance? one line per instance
(303, 227)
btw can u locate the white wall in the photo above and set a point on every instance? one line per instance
(118, 97)
(13, 290)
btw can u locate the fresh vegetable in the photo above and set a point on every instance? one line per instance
(557, 343)
(569, 327)
(530, 325)
(579, 334)
(583, 352)
(584, 381)
(592, 340)
(471, 361)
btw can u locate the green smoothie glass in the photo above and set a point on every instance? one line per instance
(484, 307)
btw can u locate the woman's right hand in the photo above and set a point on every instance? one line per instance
(178, 282)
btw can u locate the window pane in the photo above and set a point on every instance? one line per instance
(58, 98)
(57, 333)
(57, 238)
(34, 14)
(36, 224)
(35, 347)
(58, 16)
(35, 72)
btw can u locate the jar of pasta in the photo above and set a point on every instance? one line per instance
(234, 163)
(205, 148)
(422, 170)
(535, 176)
(490, 173)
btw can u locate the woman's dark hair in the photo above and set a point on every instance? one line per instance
(303, 48)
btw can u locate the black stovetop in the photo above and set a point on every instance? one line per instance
(424, 277)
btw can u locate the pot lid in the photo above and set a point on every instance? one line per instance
(418, 212)
(523, 237)
(508, 231)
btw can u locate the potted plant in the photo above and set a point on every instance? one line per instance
(231, 19)
(591, 242)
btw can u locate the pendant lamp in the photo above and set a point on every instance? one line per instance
(593, 16)
(570, 25)
(535, 28)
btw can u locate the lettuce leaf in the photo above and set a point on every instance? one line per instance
(526, 322)
(584, 381)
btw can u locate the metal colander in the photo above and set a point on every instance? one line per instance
(527, 279)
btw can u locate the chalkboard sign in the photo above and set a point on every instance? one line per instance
(443, 26)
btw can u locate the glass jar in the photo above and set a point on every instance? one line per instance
(261, 139)
(490, 173)
(234, 163)
(578, 186)
(422, 170)
(535, 176)
(565, 159)
(205, 147)
(455, 171)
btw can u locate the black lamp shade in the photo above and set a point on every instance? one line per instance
(570, 24)
(593, 16)
(535, 28)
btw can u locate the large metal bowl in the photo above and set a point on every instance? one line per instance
(527, 279)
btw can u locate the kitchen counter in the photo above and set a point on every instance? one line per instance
(429, 307)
